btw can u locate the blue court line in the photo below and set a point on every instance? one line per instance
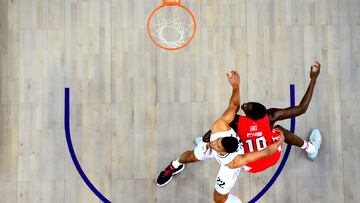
(71, 148)
(103, 198)
(286, 155)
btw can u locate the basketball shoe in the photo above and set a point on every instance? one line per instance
(315, 139)
(166, 176)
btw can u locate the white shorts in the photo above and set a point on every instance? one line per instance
(226, 179)
(201, 154)
(226, 176)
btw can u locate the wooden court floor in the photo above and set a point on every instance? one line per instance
(135, 107)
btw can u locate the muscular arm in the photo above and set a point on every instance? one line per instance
(242, 160)
(233, 107)
(235, 96)
(234, 103)
(281, 114)
(276, 114)
(222, 124)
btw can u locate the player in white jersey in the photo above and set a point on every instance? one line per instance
(224, 146)
(203, 151)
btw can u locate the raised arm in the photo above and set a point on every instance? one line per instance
(276, 114)
(223, 122)
(234, 81)
(242, 160)
(234, 103)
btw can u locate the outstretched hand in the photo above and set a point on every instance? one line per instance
(315, 70)
(207, 147)
(281, 137)
(233, 78)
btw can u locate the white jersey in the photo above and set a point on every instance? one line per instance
(226, 177)
(201, 154)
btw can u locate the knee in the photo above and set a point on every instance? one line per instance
(283, 130)
(279, 127)
(219, 198)
(188, 157)
(191, 156)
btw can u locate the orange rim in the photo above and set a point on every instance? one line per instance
(157, 9)
(168, 2)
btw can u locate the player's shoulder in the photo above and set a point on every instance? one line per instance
(273, 114)
(220, 125)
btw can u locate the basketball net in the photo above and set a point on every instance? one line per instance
(171, 26)
(184, 31)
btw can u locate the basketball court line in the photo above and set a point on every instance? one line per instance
(104, 199)
(72, 152)
(285, 157)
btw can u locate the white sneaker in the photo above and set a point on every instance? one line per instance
(315, 139)
(198, 140)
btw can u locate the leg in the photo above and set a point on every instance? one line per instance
(220, 198)
(178, 165)
(175, 167)
(311, 147)
(291, 138)
(228, 198)
(188, 157)
(225, 180)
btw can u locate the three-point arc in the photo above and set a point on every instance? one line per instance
(104, 199)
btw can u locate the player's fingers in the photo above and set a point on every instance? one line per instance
(316, 64)
(206, 148)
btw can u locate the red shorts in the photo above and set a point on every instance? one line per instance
(265, 163)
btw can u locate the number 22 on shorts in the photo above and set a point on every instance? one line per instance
(220, 183)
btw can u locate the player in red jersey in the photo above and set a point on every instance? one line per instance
(224, 146)
(256, 129)
(256, 135)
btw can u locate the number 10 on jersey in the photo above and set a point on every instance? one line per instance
(259, 142)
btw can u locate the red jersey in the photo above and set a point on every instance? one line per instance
(256, 136)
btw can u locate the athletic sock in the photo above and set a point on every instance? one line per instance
(233, 199)
(176, 163)
(308, 147)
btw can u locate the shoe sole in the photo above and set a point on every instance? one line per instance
(313, 132)
(196, 142)
(177, 172)
(170, 178)
(165, 182)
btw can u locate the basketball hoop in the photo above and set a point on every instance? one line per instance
(171, 26)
